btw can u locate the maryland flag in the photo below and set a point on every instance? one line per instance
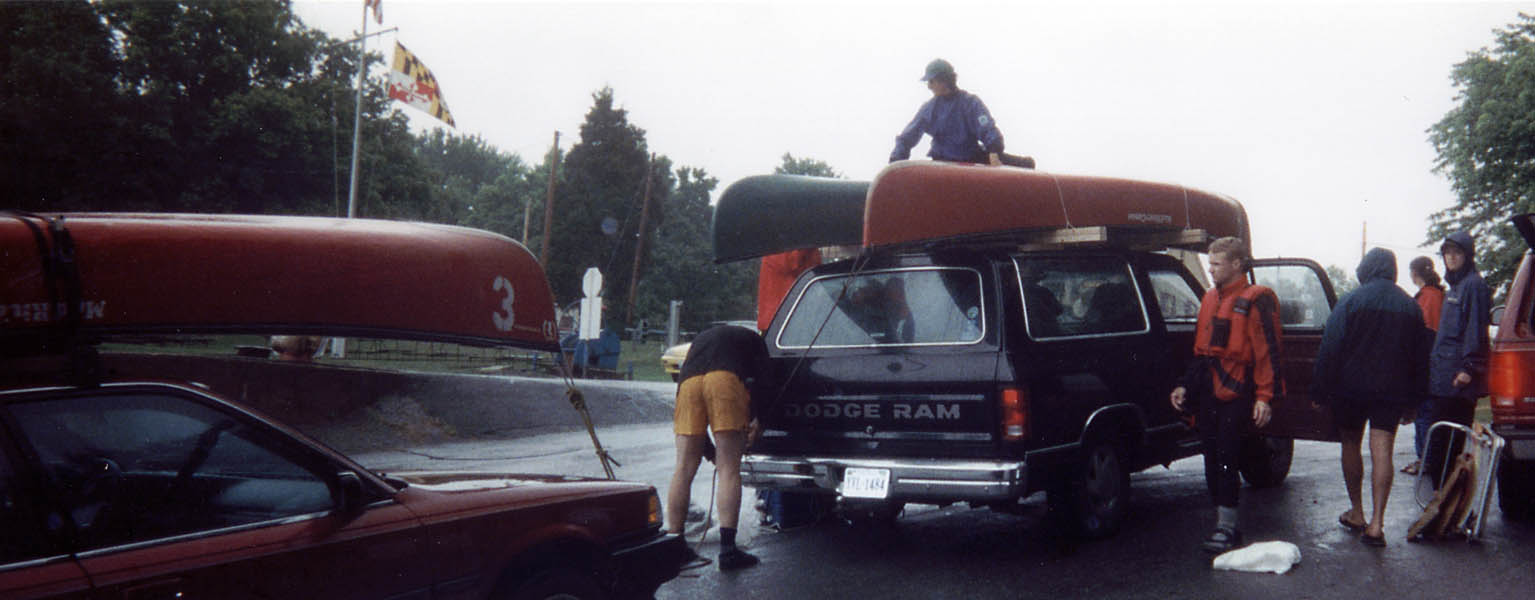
(412, 83)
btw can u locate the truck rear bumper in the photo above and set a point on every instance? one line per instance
(1520, 440)
(911, 479)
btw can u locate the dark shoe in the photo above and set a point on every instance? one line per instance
(1354, 527)
(737, 559)
(1370, 540)
(1221, 540)
(691, 559)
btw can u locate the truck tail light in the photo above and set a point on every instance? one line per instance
(1511, 380)
(1015, 414)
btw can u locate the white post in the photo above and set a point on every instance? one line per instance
(672, 319)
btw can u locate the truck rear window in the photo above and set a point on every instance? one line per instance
(924, 306)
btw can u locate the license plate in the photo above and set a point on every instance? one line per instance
(865, 483)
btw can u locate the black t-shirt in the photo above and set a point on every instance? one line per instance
(731, 348)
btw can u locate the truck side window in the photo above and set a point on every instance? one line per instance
(923, 306)
(1079, 296)
(1177, 300)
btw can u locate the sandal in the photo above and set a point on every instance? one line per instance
(1355, 527)
(1221, 540)
(1371, 540)
(1413, 467)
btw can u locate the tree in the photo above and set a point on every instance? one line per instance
(1486, 146)
(683, 267)
(1342, 283)
(603, 178)
(805, 166)
(192, 105)
(57, 101)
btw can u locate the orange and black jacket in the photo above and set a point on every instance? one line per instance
(1237, 344)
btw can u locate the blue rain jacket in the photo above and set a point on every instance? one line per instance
(1462, 340)
(962, 129)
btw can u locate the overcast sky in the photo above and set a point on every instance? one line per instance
(1313, 115)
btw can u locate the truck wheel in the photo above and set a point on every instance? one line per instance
(1516, 482)
(1265, 460)
(1092, 502)
(866, 514)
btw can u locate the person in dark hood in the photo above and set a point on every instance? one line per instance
(1372, 365)
(1457, 373)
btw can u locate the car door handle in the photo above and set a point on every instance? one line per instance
(169, 588)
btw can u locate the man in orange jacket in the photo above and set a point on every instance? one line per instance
(1233, 377)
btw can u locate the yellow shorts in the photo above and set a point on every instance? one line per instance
(716, 399)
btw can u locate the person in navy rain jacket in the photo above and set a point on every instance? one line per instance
(1457, 373)
(962, 128)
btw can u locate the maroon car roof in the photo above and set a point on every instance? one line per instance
(270, 274)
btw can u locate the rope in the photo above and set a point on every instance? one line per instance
(578, 402)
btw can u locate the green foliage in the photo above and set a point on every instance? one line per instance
(1486, 146)
(805, 166)
(683, 267)
(194, 105)
(1342, 282)
(603, 177)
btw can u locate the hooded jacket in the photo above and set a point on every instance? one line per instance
(1462, 339)
(1375, 346)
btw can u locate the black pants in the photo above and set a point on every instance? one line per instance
(1222, 427)
(1454, 410)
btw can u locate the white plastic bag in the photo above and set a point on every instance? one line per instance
(1262, 557)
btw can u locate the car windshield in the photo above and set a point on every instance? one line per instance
(899, 307)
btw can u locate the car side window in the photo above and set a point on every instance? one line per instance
(1176, 299)
(142, 466)
(1079, 297)
(21, 536)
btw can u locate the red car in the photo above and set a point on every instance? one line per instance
(118, 484)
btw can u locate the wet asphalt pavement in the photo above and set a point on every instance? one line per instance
(959, 552)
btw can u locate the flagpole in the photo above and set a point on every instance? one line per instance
(338, 345)
(362, 70)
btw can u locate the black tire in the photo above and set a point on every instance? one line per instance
(1516, 489)
(1265, 460)
(872, 514)
(1093, 500)
(559, 583)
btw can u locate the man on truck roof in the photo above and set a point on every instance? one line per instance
(962, 128)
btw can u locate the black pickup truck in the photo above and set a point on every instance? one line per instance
(974, 350)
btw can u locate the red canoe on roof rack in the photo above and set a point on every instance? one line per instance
(915, 202)
(264, 274)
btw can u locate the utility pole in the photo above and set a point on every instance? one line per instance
(543, 250)
(1364, 231)
(639, 246)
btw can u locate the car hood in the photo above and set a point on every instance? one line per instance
(464, 481)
